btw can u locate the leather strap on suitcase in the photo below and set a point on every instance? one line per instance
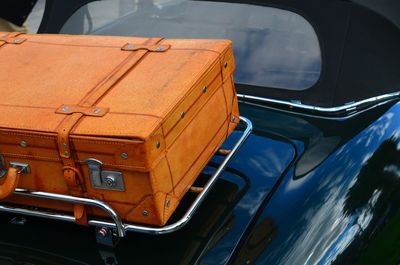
(86, 107)
(11, 38)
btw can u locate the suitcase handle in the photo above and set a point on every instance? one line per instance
(11, 179)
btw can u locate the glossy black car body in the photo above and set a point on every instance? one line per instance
(309, 186)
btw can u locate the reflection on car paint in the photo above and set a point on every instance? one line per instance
(209, 238)
(333, 212)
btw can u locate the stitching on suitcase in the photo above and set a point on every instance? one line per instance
(194, 49)
(131, 210)
(102, 82)
(226, 101)
(27, 134)
(114, 133)
(16, 125)
(226, 104)
(23, 106)
(125, 203)
(115, 71)
(137, 114)
(97, 142)
(73, 45)
(102, 141)
(108, 77)
(141, 58)
(112, 46)
(202, 152)
(194, 103)
(45, 158)
(164, 208)
(144, 169)
(198, 77)
(172, 196)
(190, 107)
(162, 156)
(155, 124)
(68, 124)
(170, 173)
(32, 157)
(52, 109)
(234, 93)
(153, 180)
(201, 108)
(72, 138)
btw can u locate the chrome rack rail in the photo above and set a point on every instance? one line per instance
(117, 228)
(338, 111)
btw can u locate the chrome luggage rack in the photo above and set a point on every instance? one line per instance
(107, 231)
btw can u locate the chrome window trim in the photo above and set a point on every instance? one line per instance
(338, 111)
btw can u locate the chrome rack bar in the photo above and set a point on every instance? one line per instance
(117, 223)
(65, 198)
(324, 111)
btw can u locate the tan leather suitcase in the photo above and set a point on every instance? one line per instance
(129, 121)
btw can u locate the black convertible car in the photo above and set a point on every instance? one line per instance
(317, 181)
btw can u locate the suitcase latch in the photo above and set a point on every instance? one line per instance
(104, 179)
(22, 167)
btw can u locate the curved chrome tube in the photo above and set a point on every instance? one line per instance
(72, 199)
(117, 223)
(330, 111)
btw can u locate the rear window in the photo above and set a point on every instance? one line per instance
(273, 47)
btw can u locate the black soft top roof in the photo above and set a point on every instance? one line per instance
(359, 40)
